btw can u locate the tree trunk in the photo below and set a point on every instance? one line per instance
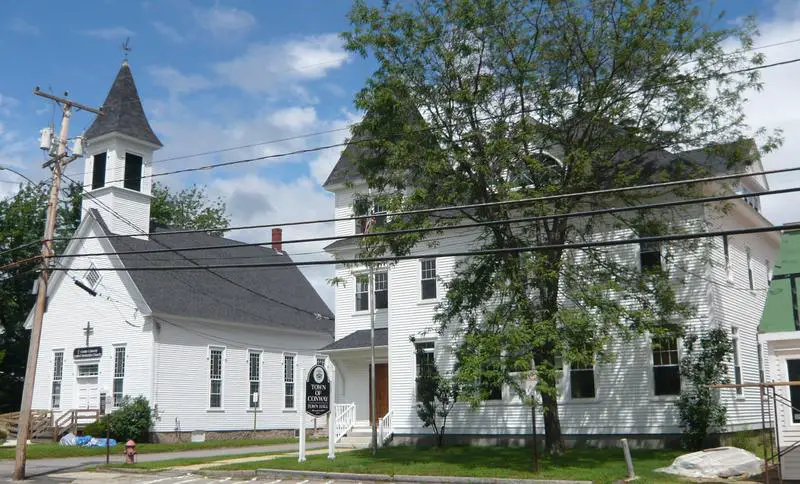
(553, 442)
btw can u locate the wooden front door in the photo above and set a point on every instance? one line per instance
(381, 390)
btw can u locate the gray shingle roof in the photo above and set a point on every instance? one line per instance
(123, 112)
(288, 300)
(346, 168)
(359, 339)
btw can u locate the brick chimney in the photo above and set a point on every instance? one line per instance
(277, 239)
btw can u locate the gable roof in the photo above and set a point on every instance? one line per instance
(123, 112)
(279, 297)
(359, 339)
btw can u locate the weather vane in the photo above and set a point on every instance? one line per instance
(126, 48)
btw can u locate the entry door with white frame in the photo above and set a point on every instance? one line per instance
(88, 389)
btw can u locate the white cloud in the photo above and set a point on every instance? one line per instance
(253, 199)
(778, 106)
(176, 82)
(109, 33)
(224, 21)
(169, 32)
(269, 67)
(21, 26)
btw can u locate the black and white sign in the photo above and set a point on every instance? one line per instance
(318, 391)
(87, 353)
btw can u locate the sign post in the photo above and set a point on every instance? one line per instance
(316, 398)
(301, 457)
(332, 417)
(255, 411)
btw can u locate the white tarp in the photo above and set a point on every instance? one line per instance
(721, 462)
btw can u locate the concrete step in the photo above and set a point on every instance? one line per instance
(353, 442)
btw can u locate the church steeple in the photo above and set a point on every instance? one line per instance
(120, 145)
(123, 112)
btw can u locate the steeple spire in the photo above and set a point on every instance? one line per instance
(123, 112)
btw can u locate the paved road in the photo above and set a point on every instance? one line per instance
(43, 467)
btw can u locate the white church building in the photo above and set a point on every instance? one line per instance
(633, 396)
(214, 351)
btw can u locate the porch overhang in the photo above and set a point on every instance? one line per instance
(358, 340)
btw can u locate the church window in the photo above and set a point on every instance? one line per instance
(215, 373)
(255, 378)
(88, 370)
(58, 373)
(288, 381)
(133, 172)
(99, 170)
(119, 374)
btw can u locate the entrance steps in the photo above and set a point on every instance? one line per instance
(359, 437)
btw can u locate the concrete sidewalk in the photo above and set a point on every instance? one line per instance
(39, 467)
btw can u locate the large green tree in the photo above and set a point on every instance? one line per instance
(479, 101)
(22, 219)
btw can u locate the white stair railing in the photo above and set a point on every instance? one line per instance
(344, 421)
(385, 428)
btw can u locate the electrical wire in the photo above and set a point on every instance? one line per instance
(470, 206)
(579, 214)
(472, 253)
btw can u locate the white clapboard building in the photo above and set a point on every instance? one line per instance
(197, 344)
(633, 396)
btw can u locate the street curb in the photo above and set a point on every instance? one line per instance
(210, 473)
(289, 474)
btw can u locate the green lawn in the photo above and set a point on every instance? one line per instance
(597, 465)
(42, 451)
(186, 461)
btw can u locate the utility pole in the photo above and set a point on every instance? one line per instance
(58, 163)
(373, 403)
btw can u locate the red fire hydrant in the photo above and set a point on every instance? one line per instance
(130, 451)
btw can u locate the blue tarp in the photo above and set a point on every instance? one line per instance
(86, 441)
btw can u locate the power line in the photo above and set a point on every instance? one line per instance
(448, 208)
(472, 253)
(586, 213)
(430, 128)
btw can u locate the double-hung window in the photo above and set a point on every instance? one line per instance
(215, 376)
(119, 374)
(426, 364)
(737, 366)
(749, 268)
(666, 369)
(288, 381)
(381, 290)
(428, 281)
(58, 374)
(254, 376)
(581, 380)
(362, 293)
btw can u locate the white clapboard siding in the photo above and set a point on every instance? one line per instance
(182, 363)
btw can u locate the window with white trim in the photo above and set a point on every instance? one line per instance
(381, 290)
(58, 374)
(254, 376)
(737, 368)
(425, 361)
(649, 252)
(215, 377)
(321, 360)
(362, 292)
(119, 374)
(428, 279)
(581, 380)
(749, 268)
(288, 381)
(92, 369)
(666, 370)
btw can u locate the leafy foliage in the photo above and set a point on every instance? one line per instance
(132, 420)
(189, 208)
(704, 363)
(487, 101)
(98, 428)
(436, 396)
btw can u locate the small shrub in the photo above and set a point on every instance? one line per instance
(132, 420)
(436, 398)
(98, 428)
(701, 412)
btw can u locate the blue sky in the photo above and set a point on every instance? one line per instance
(216, 74)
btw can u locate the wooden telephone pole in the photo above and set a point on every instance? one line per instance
(58, 163)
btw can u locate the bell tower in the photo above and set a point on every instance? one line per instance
(120, 147)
